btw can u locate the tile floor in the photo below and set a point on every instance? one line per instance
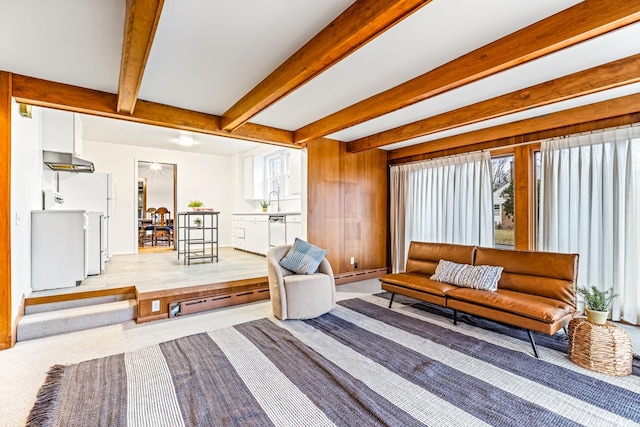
(158, 270)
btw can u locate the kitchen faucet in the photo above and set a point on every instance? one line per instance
(277, 195)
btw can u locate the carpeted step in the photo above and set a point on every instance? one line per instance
(82, 302)
(75, 319)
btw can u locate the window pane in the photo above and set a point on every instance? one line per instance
(503, 202)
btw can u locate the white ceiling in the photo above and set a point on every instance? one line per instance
(208, 53)
(129, 133)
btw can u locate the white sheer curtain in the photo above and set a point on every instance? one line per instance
(446, 200)
(588, 195)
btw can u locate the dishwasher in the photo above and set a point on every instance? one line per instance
(277, 230)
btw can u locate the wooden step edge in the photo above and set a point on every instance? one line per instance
(96, 293)
(228, 293)
(357, 275)
(205, 289)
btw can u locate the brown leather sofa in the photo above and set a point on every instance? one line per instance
(536, 290)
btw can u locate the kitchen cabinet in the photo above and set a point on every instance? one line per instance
(256, 233)
(61, 132)
(294, 228)
(237, 231)
(295, 172)
(253, 177)
(59, 249)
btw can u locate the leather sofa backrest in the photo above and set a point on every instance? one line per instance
(547, 274)
(424, 257)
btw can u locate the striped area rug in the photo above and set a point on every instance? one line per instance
(360, 365)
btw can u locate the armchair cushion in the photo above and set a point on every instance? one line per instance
(303, 257)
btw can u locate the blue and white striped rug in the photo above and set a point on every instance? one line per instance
(360, 365)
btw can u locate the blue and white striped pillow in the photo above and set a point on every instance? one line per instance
(303, 257)
(483, 277)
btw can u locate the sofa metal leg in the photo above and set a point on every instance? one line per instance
(566, 332)
(533, 344)
(455, 317)
(391, 301)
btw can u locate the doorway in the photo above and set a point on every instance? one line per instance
(156, 189)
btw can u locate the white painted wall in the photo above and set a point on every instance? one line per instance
(199, 176)
(26, 195)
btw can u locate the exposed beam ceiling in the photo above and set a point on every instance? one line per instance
(360, 23)
(141, 21)
(607, 76)
(600, 110)
(569, 27)
(44, 93)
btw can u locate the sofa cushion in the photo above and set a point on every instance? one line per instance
(532, 306)
(423, 257)
(418, 283)
(547, 274)
(483, 277)
(303, 257)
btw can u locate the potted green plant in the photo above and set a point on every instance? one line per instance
(596, 303)
(264, 205)
(197, 222)
(193, 204)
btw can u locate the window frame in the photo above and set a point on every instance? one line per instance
(283, 178)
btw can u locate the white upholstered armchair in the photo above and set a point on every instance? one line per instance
(299, 296)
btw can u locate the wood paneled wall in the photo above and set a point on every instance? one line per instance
(5, 208)
(347, 204)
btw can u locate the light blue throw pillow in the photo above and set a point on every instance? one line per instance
(303, 257)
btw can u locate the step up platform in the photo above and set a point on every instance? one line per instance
(54, 315)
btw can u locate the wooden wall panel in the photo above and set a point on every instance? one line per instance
(523, 209)
(6, 340)
(347, 204)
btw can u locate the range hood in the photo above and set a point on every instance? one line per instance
(66, 162)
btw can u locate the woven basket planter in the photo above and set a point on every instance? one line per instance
(601, 348)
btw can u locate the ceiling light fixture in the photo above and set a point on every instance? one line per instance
(155, 166)
(186, 140)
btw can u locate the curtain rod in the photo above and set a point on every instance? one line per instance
(450, 156)
(594, 131)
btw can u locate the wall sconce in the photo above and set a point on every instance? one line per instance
(155, 166)
(25, 110)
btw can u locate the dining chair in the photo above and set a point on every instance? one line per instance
(149, 226)
(163, 232)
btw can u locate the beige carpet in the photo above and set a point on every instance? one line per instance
(23, 368)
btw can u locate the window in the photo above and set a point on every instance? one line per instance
(278, 173)
(503, 201)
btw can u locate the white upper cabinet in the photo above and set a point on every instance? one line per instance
(61, 132)
(295, 180)
(253, 173)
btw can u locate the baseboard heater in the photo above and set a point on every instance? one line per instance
(196, 305)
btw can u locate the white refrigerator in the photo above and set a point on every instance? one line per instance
(92, 192)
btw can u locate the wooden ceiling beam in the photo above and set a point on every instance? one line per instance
(581, 22)
(363, 21)
(43, 93)
(607, 76)
(141, 21)
(597, 111)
